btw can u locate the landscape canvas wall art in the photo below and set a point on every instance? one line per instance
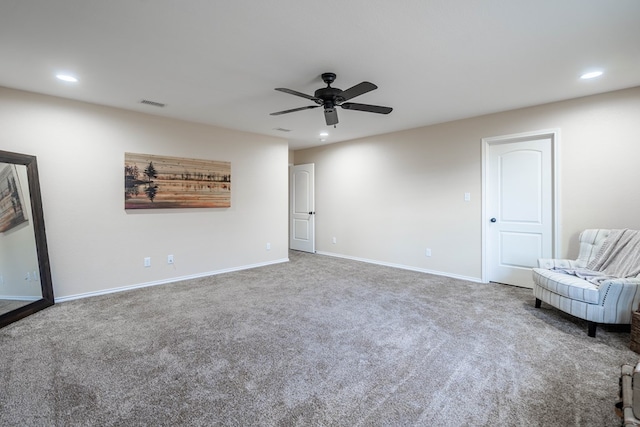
(159, 182)
(11, 207)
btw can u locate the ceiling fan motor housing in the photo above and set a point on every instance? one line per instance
(329, 96)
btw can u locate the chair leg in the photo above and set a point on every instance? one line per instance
(592, 329)
(538, 303)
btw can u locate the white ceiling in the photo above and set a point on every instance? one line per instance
(218, 61)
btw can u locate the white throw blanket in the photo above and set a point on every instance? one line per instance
(619, 257)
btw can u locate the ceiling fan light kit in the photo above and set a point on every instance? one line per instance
(330, 97)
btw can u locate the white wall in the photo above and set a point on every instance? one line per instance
(387, 198)
(94, 244)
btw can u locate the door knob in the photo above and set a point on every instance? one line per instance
(492, 220)
(312, 213)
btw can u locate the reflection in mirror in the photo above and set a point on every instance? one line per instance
(25, 279)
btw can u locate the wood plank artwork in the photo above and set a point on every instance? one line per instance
(11, 209)
(159, 182)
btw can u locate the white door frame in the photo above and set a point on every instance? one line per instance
(554, 135)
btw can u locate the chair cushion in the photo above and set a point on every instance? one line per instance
(567, 285)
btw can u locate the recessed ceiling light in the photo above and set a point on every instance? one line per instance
(324, 134)
(66, 78)
(591, 75)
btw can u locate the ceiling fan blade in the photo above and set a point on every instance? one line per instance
(296, 93)
(331, 116)
(294, 110)
(366, 107)
(357, 90)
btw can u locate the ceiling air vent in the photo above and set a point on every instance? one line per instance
(155, 104)
(282, 129)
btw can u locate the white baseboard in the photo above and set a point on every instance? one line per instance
(165, 281)
(403, 267)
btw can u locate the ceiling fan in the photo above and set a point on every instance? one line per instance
(330, 97)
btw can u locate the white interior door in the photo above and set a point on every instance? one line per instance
(302, 208)
(519, 211)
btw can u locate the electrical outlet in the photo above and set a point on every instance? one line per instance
(428, 252)
(467, 197)
(334, 241)
(147, 262)
(268, 246)
(169, 259)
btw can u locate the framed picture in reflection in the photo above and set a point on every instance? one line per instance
(160, 182)
(12, 211)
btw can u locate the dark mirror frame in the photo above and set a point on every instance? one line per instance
(40, 237)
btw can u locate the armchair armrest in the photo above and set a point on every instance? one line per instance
(622, 297)
(624, 285)
(629, 281)
(550, 263)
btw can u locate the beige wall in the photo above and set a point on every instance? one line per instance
(389, 197)
(94, 244)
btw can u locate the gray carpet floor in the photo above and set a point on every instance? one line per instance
(318, 341)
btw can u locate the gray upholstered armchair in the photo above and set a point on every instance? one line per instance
(610, 301)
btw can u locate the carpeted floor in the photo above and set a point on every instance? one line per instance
(318, 341)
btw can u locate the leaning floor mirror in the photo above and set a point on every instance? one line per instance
(25, 276)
